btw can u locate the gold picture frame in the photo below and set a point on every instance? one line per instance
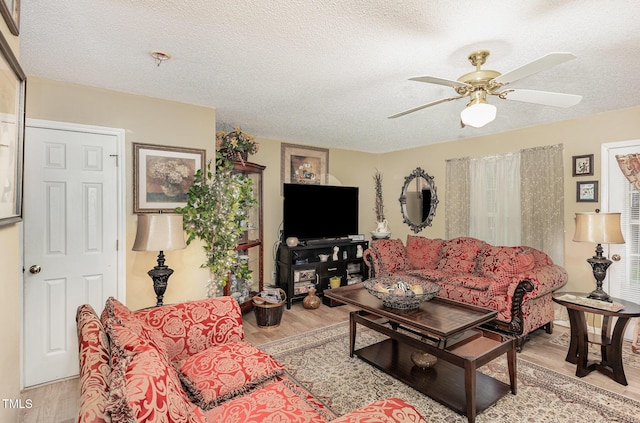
(12, 120)
(162, 176)
(301, 164)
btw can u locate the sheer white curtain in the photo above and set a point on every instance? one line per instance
(495, 199)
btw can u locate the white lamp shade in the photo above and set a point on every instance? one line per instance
(159, 232)
(599, 228)
(478, 114)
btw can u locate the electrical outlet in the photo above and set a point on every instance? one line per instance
(273, 276)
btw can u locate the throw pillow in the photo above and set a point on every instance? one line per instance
(392, 255)
(510, 268)
(224, 371)
(460, 254)
(143, 385)
(423, 253)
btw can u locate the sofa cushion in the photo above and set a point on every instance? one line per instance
(281, 400)
(391, 254)
(479, 283)
(94, 365)
(423, 253)
(460, 255)
(492, 258)
(191, 327)
(119, 314)
(144, 386)
(224, 371)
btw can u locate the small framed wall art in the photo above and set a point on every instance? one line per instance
(162, 176)
(583, 165)
(301, 164)
(587, 191)
(10, 11)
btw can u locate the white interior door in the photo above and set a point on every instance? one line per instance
(618, 195)
(72, 208)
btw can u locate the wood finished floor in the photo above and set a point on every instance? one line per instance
(59, 402)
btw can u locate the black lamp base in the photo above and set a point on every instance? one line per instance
(160, 276)
(599, 264)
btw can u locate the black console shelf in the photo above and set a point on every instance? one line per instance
(300, 268)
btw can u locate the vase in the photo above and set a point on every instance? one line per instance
(170, 190)
(311, 301)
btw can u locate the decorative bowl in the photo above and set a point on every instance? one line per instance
(423, 359)
(408, 299)
(380, 235)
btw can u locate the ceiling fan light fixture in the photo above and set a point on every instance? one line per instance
(478, 112)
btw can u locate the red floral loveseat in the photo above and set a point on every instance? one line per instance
(515, 281)
(189, 363)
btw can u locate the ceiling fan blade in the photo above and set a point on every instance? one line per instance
(439, 81)
(545, 62)
(424, 106)
(542, 97)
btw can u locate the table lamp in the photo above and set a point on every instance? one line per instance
(599, 228)
(159, 232)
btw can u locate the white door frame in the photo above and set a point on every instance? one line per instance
(119, 134)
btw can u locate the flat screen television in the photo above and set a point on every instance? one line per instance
(319, 211)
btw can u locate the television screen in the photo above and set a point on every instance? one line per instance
(319, 211)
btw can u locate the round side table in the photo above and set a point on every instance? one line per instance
(610, 338)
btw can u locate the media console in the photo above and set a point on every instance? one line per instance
(300, 268)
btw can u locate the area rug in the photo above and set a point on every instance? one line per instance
(629, 358)
(319, 360)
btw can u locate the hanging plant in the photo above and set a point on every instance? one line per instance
(216, 211)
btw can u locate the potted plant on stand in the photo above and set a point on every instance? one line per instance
(216, 213)
(382, 226)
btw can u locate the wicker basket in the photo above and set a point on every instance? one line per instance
(406, 301)
(268, 315)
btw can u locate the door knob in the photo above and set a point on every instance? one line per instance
(616, 257)
(35, 269)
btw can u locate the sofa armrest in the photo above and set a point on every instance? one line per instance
(545, 279)
(193, 326)
(384, 410)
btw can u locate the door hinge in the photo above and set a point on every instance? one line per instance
(117, 245)
(116, 156)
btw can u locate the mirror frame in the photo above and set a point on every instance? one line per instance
(418, 173)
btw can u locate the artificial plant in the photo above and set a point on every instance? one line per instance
(216, 212)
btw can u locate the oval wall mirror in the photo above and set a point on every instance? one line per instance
(418, 200)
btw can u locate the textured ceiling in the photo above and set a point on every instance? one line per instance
(329, 72)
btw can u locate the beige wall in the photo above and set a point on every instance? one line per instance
(145, 120)
(579, 137)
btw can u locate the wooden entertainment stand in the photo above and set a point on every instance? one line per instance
(446, 329)
(299, 268)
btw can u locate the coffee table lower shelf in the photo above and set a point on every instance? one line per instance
(443, 383)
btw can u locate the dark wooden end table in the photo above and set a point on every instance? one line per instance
(610, 342)
(446, 329)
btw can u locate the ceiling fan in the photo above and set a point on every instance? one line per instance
(478, 84)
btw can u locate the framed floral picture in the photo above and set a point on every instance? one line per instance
(301, 164)
(587, 191)
(162, 176)
(583, 165)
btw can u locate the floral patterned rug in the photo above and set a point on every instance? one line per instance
(320, 361)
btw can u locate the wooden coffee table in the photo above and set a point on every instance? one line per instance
(447, 329)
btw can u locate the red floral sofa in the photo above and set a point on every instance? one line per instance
(189, 363)
(515, 281)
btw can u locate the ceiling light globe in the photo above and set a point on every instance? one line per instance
(478, 115)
